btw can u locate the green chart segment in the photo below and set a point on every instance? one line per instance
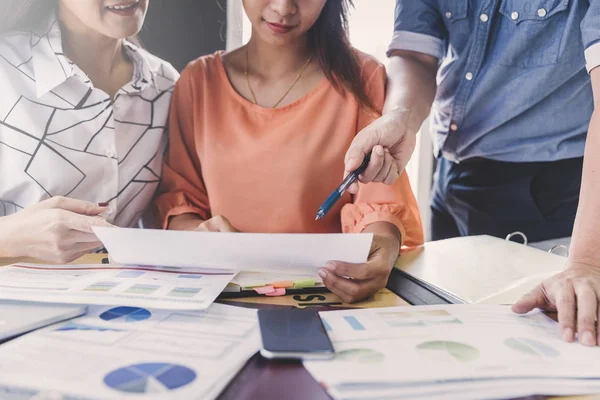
(449, 351)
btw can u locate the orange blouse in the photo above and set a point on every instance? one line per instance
(269, 170)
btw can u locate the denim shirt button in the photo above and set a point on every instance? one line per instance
(484, 18)
(469, 76)
(453, 127)
(448, 15)
(514, 15)
(542, 12)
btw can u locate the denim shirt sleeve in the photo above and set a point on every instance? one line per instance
(590, 34)
(419, 27)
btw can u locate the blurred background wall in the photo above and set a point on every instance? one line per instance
(182, 30)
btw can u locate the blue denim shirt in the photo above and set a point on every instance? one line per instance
(512, 81)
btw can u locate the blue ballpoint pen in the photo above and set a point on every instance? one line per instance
(337, 193)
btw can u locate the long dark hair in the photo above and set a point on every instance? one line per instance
(328, 40)
(24, 15)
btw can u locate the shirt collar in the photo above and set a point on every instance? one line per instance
(52, 67)
(143, 73)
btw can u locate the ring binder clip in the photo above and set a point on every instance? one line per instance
(511, 235)
(565, 249)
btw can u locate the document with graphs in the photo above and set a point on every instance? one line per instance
(155, 287)
(131, 353)
(455, 351)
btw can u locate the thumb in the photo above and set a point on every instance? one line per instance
(74, 205)
(363, 144)
(530, 301)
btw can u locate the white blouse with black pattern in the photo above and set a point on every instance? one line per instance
(60, 136)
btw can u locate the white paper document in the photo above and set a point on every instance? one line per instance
(259, 252)
(131, 353)
(154, 287)
(456, 351)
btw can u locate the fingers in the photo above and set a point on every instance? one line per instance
(382, 168)
(349, 290)
(363, 144)
(354, 271)
(73, 205)
(353, 188)
(391, 132)
(565, 305)
(354, 282)
(82, 223)
(587, 310)
(376, 164)
(216, 224)
(386, 169)
(532, 300)
(393, 174)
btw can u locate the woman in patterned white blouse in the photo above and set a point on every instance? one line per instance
(82, 123)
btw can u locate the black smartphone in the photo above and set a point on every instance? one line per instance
(293, 334)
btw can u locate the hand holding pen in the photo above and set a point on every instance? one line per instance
(337, 193)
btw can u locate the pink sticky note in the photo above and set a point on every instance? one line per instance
(264, 289)
(277, 292)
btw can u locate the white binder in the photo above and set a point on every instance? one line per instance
(479, 269)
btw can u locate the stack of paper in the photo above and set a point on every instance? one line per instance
(445, 352)
(133, 353)
(154, 287)
(479, 269)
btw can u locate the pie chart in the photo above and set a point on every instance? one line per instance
(126, 314)
(448, 351)
(360, 356)
(150, 378)
(531, 347)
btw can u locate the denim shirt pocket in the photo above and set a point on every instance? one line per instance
(455, 15)
(530, 32)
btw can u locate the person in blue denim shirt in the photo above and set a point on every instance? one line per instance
(508, 86)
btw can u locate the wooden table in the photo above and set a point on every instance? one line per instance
(266, 379)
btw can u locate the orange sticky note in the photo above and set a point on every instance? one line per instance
(283, 284)
(264, 290)
(277, 292)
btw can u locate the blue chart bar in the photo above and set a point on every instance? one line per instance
(326, 325)
(354, 323)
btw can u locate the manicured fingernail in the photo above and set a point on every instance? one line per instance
(322, 273)
(588, 339)
(330, 266)
(567, 334)
(379, 150)
(102, 204)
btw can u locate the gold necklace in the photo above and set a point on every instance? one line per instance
(287, 91)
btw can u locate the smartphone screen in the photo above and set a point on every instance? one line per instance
(293, 333)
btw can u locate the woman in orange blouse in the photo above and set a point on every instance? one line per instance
(258, 137)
